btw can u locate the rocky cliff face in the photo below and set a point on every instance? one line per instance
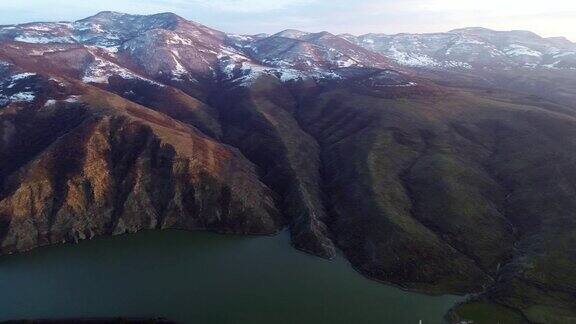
(432, 178)
(94, 163)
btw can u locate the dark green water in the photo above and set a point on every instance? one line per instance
(201, 278)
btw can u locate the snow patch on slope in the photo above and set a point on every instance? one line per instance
(26, 96)
(41, 39)
(179, 70)
(519, 50)
(412, 59)
(70, 99)
(100, 70)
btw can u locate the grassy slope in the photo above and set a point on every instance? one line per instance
(440, 195)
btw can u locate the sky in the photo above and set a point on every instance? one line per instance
(547, 18)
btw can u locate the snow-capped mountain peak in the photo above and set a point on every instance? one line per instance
(168, 49)
(473, 47)
(291, 33)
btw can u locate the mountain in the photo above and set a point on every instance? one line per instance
(518, 61)
(455, 176)
(473, 48)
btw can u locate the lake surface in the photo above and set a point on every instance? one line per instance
(202, 278)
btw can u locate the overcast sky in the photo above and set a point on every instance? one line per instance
(547, 18)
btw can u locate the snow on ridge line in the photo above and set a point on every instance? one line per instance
(239, 37)
(564, 54)
(21, 76)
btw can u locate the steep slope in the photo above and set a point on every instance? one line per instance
(107, 71)
(82, 162)
(259, 120)
(436, 192)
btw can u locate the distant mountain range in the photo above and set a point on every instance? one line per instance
(470, 48)
(443, 162)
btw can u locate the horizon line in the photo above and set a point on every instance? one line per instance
(287, 29)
